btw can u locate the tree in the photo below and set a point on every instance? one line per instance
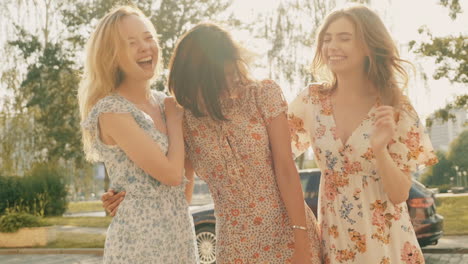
(451, 55)
(459, 151)
(289, 41)
(440, 173)
(170, 18)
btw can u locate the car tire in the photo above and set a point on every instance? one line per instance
(206, 243)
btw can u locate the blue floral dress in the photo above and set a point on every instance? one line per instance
(359, 224)
(153, 223)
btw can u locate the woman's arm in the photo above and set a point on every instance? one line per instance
(289, 183)
(396, 183)
(143, 150)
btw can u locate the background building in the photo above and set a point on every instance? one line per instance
(443, 133)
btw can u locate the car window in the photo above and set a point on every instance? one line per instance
(304, 181)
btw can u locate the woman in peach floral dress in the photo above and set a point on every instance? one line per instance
(238, 141)
(366, 138)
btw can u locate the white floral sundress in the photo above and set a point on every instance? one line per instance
(153, 223)
(358, 222)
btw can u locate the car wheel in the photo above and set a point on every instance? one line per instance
(206, 242)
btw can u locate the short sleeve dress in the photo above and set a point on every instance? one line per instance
(235, 160)
(358, 222)
(153, 224)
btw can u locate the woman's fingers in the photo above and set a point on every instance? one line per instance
(113, 201)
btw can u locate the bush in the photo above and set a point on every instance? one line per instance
(10, 192)
(45, 186)
(41, 192)
(11, 222)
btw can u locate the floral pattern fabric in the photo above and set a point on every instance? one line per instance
(358, 222)
(235, 160)
(153, 224)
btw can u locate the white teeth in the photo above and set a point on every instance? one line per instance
(145, 59)
(336, 57)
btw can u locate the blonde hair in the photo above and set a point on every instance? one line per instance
(102, 74)
(384, 66)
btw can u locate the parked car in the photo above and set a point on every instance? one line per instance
(421, 207)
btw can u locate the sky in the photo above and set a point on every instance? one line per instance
(403, 18)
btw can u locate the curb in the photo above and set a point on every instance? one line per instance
(55, 251)
(445, 250)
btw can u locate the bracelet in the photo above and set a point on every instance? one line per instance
(299, 227)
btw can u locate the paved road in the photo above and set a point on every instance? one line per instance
(446, 258)
(91, 259)
(439, 254)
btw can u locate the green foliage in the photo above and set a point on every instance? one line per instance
(444, 114)
(454, 7)
(41, 192)
(459, 151)
(440, 173)
(10, 193)
(171, 18)
(49, 89)
(449, 53)
(47, 183)
(11, 222)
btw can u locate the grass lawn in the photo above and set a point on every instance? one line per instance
(79, 221)
(79, 207)
(77, 240)
(455, 213)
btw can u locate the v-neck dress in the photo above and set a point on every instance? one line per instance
(359, 224)
(153, 223)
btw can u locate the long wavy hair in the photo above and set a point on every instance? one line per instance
(102, 74)
(383, 65)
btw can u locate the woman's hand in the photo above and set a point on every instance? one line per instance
(384, 128)
(303, 251)
(111, 201)
(174, 112)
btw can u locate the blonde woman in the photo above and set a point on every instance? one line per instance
(138, 135)
(367, 139)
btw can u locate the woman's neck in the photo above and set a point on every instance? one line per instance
(354, 86)
(135, 91)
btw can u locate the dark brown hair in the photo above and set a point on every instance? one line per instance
(197, 76)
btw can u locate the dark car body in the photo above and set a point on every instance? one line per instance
(421, 207)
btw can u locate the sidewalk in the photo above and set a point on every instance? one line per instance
(82, 230)
(450, 249)
(449, 244)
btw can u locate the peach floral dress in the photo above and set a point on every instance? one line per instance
(235, 160)
(358, 222)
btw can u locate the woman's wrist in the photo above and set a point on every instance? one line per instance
(379, 152)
